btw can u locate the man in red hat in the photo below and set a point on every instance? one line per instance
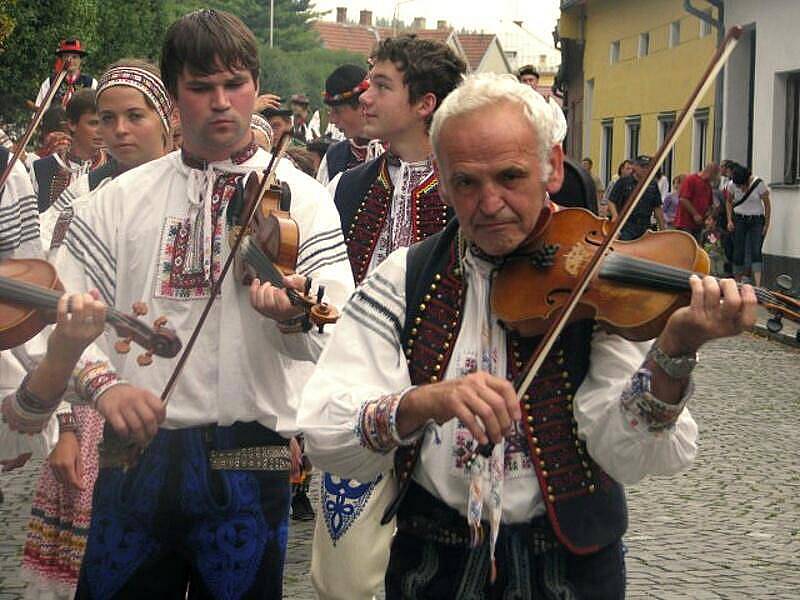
(70, 50)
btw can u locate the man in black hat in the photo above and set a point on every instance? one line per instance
(302, 130)
(529, 76)
(71, 51)
(650, 203)
(343, 88)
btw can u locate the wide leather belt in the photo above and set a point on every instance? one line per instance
(258, 458)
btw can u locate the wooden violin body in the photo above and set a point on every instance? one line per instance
(29, 294)
(640, 284)
(19, 322)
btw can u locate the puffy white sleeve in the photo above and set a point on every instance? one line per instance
(363, 361)
(619, 442)
(19, 216)
(322, 171)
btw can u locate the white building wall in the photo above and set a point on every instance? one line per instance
(777, 52)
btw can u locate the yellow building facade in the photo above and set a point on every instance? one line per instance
(641, 60)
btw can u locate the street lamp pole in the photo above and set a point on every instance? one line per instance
(271, 20)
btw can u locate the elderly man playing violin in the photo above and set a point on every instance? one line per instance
(498, 494)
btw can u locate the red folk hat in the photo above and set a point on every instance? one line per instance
(71, 45)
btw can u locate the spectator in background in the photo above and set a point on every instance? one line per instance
(52, 175)
(648, 206)
(748, 211)
(302, 130)
(529, 76)
(280, 119)
(624, 169)
(669, 204)
(73, 51)
(696, 200)
(587, 164)
(318, 149)
(662, 181)
(55, 137)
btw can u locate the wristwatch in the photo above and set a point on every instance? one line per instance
(677, 367)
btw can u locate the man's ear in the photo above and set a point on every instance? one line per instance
(426, 105)
(556, 162)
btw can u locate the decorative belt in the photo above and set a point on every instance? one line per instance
(258, 458)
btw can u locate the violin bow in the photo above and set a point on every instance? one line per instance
(593, 265)
(34, 123)
(266, 181)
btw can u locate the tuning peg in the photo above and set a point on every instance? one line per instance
(308, 286)
(320, 294)
(145, 359)
(775, 323)
(123, 345)
(160, 322)
(139, 309)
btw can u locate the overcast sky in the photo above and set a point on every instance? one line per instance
(538, 16)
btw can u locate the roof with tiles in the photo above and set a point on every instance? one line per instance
(475, 46)
(345, 36)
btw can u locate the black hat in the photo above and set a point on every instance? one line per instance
(643, 160)
(344, 84)
(276, 112)
(527, 70)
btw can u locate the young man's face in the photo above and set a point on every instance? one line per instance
(86, 137)
(299, 110)
(74, 60)
(349, 119)
(387, 109)
(529, 80)
(215, 111)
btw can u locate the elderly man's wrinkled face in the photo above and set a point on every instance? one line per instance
(492, 177)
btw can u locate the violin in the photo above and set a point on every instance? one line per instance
(640, 283)
(269, 249)
(29, 294)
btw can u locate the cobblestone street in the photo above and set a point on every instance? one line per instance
(727, 528)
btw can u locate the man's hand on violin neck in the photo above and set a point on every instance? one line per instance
(717, 309)
(274, 302)
(485, 404)
(134, 413)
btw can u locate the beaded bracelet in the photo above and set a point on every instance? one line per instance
(376, 425)
(67, 422)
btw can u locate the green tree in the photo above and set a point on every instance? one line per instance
(133, 29)
(291, 23)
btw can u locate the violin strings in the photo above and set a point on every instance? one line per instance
(256, 257)
(646, 272)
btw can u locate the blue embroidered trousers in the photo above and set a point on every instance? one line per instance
(171, 527)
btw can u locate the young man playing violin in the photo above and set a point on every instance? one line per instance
(206, 503)
(423, 382)
(386, 203)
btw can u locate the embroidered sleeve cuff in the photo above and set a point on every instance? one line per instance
(26, 412)
(93, 379)
(644, 410)
(376, 425)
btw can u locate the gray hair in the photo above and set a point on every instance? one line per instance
(490, 89)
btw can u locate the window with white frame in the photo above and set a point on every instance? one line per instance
(665, 123)
(607, 151)
(674, 34)
(791, 165)
(700, 139)
(613, 53)
(705, 26)
(644, 44)
(633, 127)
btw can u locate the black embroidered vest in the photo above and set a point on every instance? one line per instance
(586, 508)
(340, 157)
(364, 197)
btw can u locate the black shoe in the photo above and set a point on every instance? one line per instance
(301, 507)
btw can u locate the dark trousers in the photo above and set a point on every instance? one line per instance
(171, 524)
(748, 233)
(427, 561)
